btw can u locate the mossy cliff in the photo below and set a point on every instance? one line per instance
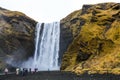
(16, 36)
(96, 39)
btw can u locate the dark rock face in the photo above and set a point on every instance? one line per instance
(16, 35)
(89, 38)
(66, 38)
(85, 9)
(69, 29)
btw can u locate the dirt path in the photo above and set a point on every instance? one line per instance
(57, 75)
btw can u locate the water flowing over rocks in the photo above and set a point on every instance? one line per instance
(17, 38)
(46, 54)
(89, 38)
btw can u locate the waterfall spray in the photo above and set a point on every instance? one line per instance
(47, 47)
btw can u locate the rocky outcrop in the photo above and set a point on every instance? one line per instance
(66, 38)
(16, 36)
(95, 46)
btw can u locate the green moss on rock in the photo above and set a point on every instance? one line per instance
(16, 36)
(96, 44)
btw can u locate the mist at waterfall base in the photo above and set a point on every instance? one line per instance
(46, 52)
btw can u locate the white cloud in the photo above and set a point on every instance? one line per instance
(47, 10)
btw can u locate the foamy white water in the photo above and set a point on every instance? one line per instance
(47, 46)
(46, 53)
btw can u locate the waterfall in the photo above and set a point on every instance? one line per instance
(47, 46)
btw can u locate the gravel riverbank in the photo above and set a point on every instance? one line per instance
(59, 75)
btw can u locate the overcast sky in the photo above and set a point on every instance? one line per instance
(47, 10)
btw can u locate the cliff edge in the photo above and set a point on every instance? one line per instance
(95, 47)
(16, 36)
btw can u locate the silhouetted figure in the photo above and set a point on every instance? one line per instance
(26, 71)
(23, 72)
(36, 70)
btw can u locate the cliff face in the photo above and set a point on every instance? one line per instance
(89, 38)
(16, 36)
(96, 39)
(66, 38)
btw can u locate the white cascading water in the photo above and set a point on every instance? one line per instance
(47, 46)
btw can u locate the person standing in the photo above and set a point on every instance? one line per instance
(6, 71)
(17, 71)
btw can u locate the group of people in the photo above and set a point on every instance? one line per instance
(22, 71)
